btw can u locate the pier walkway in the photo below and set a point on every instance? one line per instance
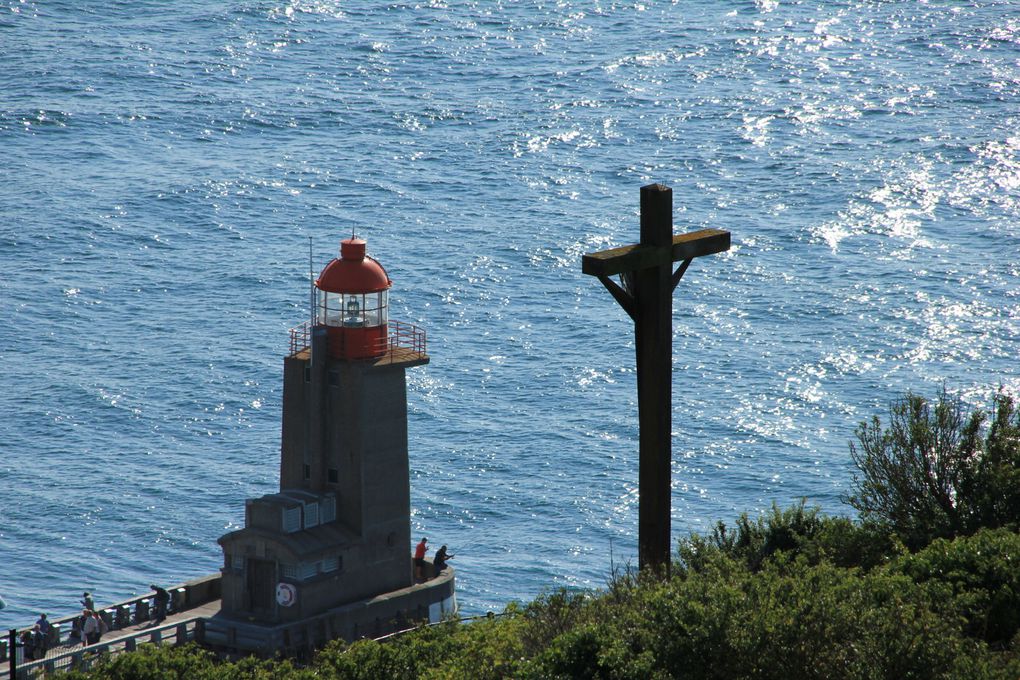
(130, 625)
(176, 629)
(195, 615)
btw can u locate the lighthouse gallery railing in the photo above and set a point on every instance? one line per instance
(401, 335)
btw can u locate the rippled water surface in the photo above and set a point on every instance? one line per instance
(163, 165)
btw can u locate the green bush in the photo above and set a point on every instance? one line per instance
(489, 648)
(930, 474)
(994, 488)
(978, 576)
(798, 530)
(187, 662)
(791, 620)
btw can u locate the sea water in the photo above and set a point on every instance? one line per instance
(164, 167)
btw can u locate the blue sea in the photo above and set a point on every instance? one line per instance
(166, 167)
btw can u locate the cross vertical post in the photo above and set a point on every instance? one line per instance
(646, 294)
(653, 335)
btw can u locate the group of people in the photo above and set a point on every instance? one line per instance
(37, 641)
(438, 561)
(89, 627)
(92, 626)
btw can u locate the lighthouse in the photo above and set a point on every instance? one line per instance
(333, 545)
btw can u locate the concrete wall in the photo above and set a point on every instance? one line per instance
(201, 590)
(367, 442)
(349, 417)
(364, 438)
(366, 570)
(371, 617)
(296, 394)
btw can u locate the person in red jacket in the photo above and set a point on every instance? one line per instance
(419, 559)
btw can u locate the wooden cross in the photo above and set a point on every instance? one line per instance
(645, 270)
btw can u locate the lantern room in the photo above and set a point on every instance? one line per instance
(352, 305)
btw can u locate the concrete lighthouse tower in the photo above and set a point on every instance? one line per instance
(334, 544)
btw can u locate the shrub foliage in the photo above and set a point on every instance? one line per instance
(931, 474)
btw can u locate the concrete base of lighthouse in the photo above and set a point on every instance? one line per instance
(372, 617)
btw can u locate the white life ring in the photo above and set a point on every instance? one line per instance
(286, 594)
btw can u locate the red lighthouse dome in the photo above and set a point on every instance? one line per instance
(353, 303)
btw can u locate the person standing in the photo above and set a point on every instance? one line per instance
(46, 628)
(162, 601)
(90, 628)
(28, 645)
(86, 601)
(39, 642)
(419, 559)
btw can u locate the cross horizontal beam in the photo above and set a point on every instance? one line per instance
(634, 257)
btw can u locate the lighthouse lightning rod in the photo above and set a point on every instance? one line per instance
(311, 294)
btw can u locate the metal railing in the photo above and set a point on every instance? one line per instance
(407, 336)
(79, 657)
(66, 631)
(300, 337)
(400, 336)
(63, 647)
(431, 624)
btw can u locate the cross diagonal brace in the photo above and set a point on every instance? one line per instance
(679, 274)
(625, 299)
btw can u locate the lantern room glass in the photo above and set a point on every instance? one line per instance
(353, 310)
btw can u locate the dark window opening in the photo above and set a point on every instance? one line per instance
(308, 471)
(333, 475)
(308, 374)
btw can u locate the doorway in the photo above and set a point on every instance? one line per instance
(261, 584)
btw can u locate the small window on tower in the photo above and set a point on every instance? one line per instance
(334, 476)
(308, 374)
(311, 515)
(307, 570)
(308, 471)
(291, 519)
